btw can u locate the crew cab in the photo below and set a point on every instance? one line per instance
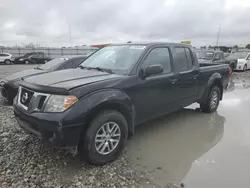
(95, 108)
(210, 56)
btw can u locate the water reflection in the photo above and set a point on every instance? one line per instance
(237, 84)
(167, 147)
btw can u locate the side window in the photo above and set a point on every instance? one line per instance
(189, 58)
(159, 56)
(222, 56)
(248, 57)
(4, 55)
(183, 59)
(217, 56)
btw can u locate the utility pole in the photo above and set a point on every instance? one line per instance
(218, 36)
(70, 35)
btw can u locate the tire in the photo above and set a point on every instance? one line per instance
(245, 68)
(212, 102)
(10, 100)
(26, 62)
(7, 62)
(88, 146)
(45, 61)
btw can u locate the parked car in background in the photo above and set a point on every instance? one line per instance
(93, 109)
(9, 85)
(25, 59)
(6, 58)
(242, 59)
(209, 56)
(33, 57)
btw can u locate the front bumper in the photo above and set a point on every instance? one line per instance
(48, 126)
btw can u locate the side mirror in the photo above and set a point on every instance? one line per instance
(153, 69)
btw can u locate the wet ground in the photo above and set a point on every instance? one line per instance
(197, 149)
(188, 148)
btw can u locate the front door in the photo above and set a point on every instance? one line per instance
(155, 94)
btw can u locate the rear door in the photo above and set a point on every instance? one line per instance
(187, 85)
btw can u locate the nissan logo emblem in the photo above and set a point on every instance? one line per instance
(24, 97)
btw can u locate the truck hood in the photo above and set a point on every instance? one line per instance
(24, 74)
(70, 78)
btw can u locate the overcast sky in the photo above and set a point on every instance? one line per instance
(49, 22)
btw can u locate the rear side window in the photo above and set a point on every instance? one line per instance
(218, 56)
(184, 59)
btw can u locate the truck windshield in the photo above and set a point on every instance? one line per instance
(119, 59)
(238, 55)
(208, 55)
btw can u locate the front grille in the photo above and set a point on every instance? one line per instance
(31, 100)
(26, 96)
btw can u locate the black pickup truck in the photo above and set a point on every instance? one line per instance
(95, 108)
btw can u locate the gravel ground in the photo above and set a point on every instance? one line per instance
(26, 161)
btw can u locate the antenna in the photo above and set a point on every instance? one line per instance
(218, 36)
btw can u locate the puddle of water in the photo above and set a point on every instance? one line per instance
(167, 147)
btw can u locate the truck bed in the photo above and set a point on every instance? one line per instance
(208, 69)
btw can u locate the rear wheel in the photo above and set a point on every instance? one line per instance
(7, 62)
(213, 100)
(104, 140)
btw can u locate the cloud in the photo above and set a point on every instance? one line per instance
(97, 21)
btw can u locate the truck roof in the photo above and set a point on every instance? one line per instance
(149, 44)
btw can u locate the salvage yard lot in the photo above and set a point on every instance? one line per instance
(189, 147)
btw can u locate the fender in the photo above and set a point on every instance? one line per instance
(91, 104)
(214, 79)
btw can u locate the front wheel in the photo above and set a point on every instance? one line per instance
(26, 62)
(213, 100)
(245, 68)
(104, 140)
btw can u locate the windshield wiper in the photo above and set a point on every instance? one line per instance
(98, 69)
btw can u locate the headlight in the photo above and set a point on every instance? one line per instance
(20, 60)
(59, 103)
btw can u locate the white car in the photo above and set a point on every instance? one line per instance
(243, 60)
(6, 58)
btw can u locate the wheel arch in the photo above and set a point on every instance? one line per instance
(111, 105)
(215, 79)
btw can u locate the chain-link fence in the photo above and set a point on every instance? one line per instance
(51, 52)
